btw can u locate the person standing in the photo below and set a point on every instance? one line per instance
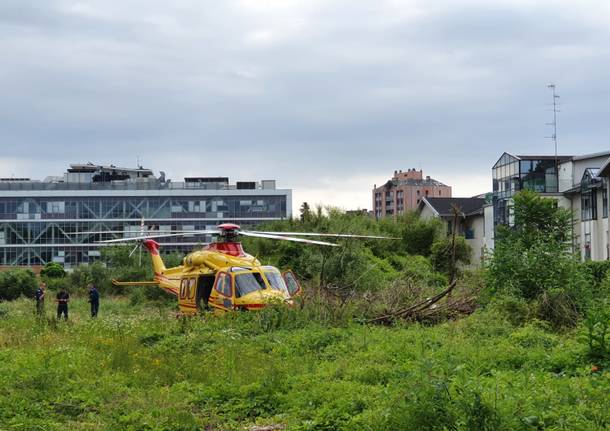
(63, 297)
(40, 298)
(94, 300)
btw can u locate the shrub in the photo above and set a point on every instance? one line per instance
(17, 282)
(597, 269)
(534, 261)
(419, 235)
(597, 324)
(52, 270)
(442, 254)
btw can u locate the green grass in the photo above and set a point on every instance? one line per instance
(141, 368)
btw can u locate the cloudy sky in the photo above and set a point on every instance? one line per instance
(328, 97)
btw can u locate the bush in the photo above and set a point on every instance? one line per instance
(52, 270)
(533, 261)
(597, 324)
(442, 254)
(57, 284)
(17, 282)
(597, 269)
(419, 235)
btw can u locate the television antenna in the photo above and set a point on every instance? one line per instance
(553, 87)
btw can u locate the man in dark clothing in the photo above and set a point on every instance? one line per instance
(63, 298)
(40, 299)
(94, 300)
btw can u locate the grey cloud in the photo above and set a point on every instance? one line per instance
(326, 88)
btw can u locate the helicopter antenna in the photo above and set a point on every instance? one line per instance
(553, 87)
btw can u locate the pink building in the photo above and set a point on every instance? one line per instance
(404, 191)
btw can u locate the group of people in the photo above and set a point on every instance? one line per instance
(63, 298)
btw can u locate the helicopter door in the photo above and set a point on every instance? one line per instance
(188, 287)
(205, 284)
(224, 292)
(294, 288)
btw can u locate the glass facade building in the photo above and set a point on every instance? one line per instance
(513, 173)
(38, 218)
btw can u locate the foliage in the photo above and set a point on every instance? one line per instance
(295, 368)
(358, 265)
(442, 254)
(598, 270)
(419, 235)
(533, 261)
(52, 270)
(597, 324)
(17, 282)
(305, 212)
(95, 273)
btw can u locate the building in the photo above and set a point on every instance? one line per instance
(404, 191)
(470, 222)
(37, 217)
(574, 181)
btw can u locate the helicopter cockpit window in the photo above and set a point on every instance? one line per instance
(275, 279)
(248, 282)
(223, 285)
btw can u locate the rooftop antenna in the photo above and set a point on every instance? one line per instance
(554, 123)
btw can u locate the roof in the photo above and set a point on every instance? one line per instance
(604, 171)
(443, 206)
(547, 157)
(592, 155)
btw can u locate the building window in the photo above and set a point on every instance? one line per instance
(588, 197)
(605, 201)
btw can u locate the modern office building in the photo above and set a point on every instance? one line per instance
(38, 218)
(404, 191)
(574, 181)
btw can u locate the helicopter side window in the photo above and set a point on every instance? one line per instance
(223, 285)
(248, 282)
(192, 282)
(184, 288)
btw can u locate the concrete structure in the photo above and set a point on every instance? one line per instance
(470, 223)
(404, 191)
(575, 182)
(37, 217)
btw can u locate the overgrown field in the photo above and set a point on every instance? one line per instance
(141, 368)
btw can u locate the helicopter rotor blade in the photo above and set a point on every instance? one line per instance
(95, 232)
(134, 249)
(286, 238)
(142, 238)
(329, 235)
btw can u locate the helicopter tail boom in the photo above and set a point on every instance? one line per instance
(153, 248)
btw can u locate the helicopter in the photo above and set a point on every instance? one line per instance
(221, 276)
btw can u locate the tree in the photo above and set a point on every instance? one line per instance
(419, 235)
(534, 261)
(305, 212)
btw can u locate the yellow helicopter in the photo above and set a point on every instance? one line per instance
(221, 277)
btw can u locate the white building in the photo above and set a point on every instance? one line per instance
(576, 183)
(471, 223)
